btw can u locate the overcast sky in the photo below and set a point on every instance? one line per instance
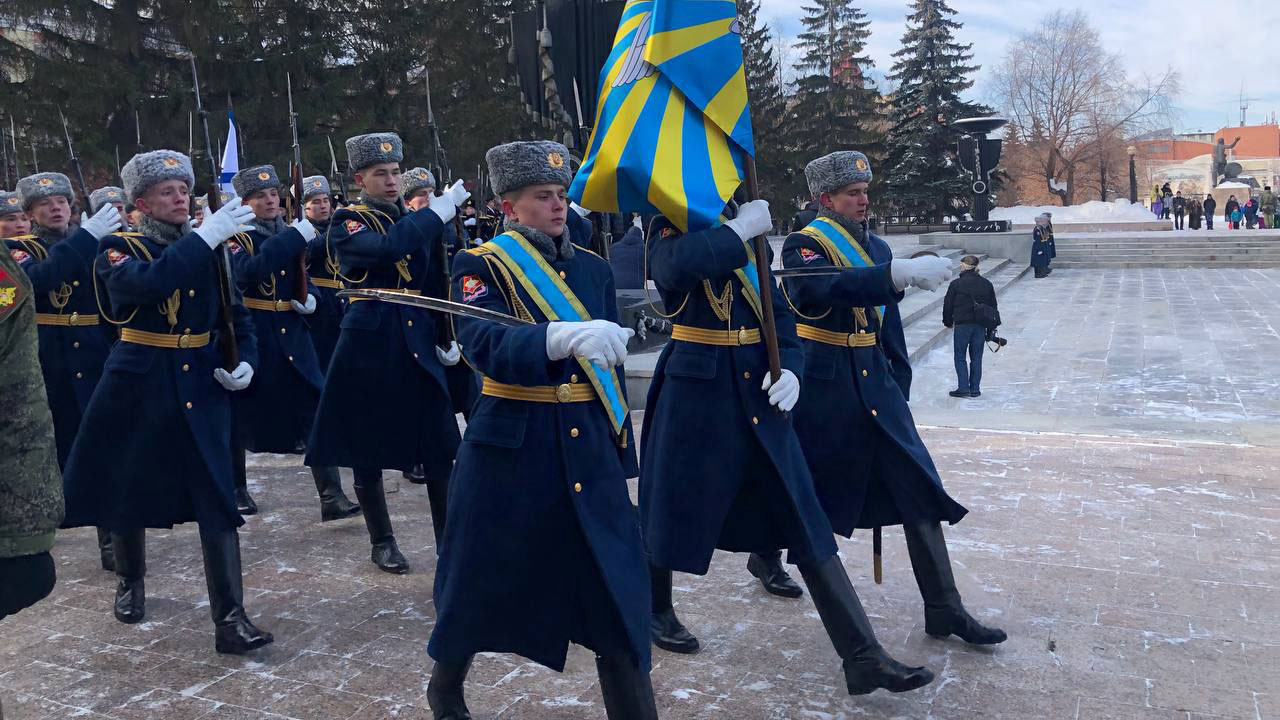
(1149, 35)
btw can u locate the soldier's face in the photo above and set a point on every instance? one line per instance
(53, 212)
(319, 208)
(14, 224)
(541, 207)
(167, 201)
(850, 200)
(380, 181)
(421, 198)
(119, 206)
(265, 204)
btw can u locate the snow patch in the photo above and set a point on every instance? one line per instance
(1091, 212)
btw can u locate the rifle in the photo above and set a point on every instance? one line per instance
(13, 137)
(336, 178)
(597, 222)
(227, 348)
(35, 162)
(4, 157)
(442, 161)
(137, 130)
(295, 179)
(119, 173)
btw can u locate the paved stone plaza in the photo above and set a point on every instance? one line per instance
(1123, 476)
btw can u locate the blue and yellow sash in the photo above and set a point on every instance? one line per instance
(840, 245)
(750, 278)
(558, 302)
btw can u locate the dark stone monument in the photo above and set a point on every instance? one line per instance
(979, 155)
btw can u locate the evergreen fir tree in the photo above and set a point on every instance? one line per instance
(924, 176)
(836, 106)
(768, 109)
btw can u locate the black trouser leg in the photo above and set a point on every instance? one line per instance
(627, 690)
(130, 548)
(373, 501)
(438, 498)
(444, 691)
(105, 554)
(244, 503)
(334, 504)
(667, 630)
(233, 633)
(944, 612)
(767, 568)
(866, 665)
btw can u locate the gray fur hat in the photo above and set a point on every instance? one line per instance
(832, 172)
(41, 185)
(201, 201)
(251, 180)
(372, 149)
(10, 202)
(416, 179)
(146, 169)
(314, 185)
(104, 195)
(520, 164)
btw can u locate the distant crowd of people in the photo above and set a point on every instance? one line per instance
(1256, 213)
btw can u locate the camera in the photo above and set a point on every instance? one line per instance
(998, 341)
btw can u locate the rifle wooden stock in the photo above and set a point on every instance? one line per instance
(767, 323)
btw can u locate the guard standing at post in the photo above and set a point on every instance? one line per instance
(1041, 250)
(540, 505)
(74, 341)
(749, 490)
(385, 403)
(276, 413)
(152, 450)
(870, 467)
(322, 267)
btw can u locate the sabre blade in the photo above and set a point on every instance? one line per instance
(430, 303)
(806, 272)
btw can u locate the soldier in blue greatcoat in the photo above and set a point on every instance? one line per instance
(322, 268)
(543, 546)
(152, 449)
(746, 488)
(869, 465)
(1043, 248)
(276, 413)
(386, 403)
(74, 340)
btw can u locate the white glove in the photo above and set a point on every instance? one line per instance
(785, 393)
(237, 379)
(927, 273)
(457, 193)
(599, 341)
(752, 220)
(449, 356)
(582, 212)
(103, 223)
(230, 219)
(304, 226)
(306, 309)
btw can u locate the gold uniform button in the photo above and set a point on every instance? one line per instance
(755, 421)
(410, 323)
(186, 367)
(563, 393)
(191, 293)
(188, 405)
(573, 432)
(408, 257)
(75, 283)
(577, 487)
(874, 413)
(75, 344)
(746, 376)
(79, 376)
(562, 275)
(284, 331)
(573, 378)
(864, 373)
(290, 358)
(187, 331)
(415, 356)
(281, 273)
(75, 318)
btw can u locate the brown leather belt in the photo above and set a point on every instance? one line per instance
(702, 336)
(161, 340)
(72, 320)
(268, 305)
(566, 393)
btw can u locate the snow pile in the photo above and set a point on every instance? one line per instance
(1094, 211)
(1230, 185)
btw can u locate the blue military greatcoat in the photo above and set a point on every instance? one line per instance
(1042, 248)
(385, 402)
(74, 339)
(869, 464)
(322, 267)
(152, 450)
(275, 413)
(543, 546)
(720, 466)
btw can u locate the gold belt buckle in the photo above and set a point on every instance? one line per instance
(75, 317)
(563, 393)
(282, 305)
(184, 341)
(851, 340)
(742, 336)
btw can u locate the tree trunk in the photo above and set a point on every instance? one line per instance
(1102, 178)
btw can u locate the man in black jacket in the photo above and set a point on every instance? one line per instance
(1179, 210)
(1209, 206)
(958, 311)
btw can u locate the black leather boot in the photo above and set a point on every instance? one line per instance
(417, 475)
(438, 498)
(866, 665)
(627, 690)
(944, 613)
(334, 504)
(385, 553)
(667, 630)
(244, 503)
(105, 554)
(769, 571)
(130, 549)
(233, 633)
(444, 692)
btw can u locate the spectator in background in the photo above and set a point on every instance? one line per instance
(1210, 205)
(959, 311)
(1167, 200)
(1231, 213)
(1194, 212)
(1157, 207)
(1268, 205)
(626, 257)
(1250, 211)
(1179, 210)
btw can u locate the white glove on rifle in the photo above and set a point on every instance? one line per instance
(305, 228)
(927, 273)
(752, 220)
(306, 309)
(230, 219)
(449, 356)
(599, 341)
(103, 223)
(445, 205)
(783, 394)
(237, 379)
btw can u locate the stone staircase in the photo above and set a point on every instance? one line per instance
(1206, 249)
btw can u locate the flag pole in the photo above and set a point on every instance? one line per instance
(767, 324)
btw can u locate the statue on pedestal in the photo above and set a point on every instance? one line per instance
(1223, 170)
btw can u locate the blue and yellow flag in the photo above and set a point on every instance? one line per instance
(673, 129)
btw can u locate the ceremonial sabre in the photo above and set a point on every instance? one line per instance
(430, 303)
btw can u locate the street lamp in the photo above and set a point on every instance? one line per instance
(1133, 174)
